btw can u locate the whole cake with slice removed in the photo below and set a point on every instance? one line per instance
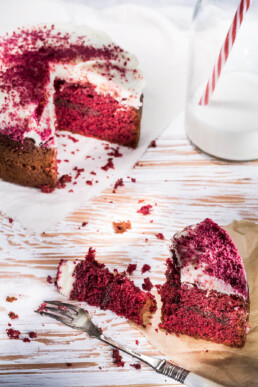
(93, 283)
(62, 77)
(206, 293)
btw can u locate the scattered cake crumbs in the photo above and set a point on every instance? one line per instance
(145, 210)
(147, 285)
(78, 171)
(33, 335)
(131, 268)
(46, 189)
(121, 227)
(26, 340)
(13, 315)
(108, 165)
(13, 333)
(73, 139)
(137, 366)
(49, 279)
(90, 256)
(145, 268)
(159, 235)
(115, 152)
(61, 183)
(42, 307)
(10, 299)
(118, 183)
(118, 360)
(153, 144)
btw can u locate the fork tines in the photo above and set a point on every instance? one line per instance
(61, 311)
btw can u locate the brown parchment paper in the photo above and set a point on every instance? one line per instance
(225, 365)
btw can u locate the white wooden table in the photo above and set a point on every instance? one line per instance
(184, 186)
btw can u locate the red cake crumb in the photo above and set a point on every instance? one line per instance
(42, 307)
(109, 165)
(131, 268)
(78, 171)
(153, 144)
(93, 173)
(10, 299)
(67, 161)
(63, 180)
(145, 210)
(140, 200)
(118, 183)
(121, 227)
(9, 325)
(133, 180)
(26, 340)
(10, 220)
(145, 268)
(49, 279)
(68, 364)
(73, 139)
(137, 366)
(147, 284)
(146, 240)
(84, 224)
(118, 360)
(100, 368)
(88, 182)
(160, 236)
(13, 333)
(115, 152)
(33, 335)
(156, 330)
(46, 188)
(137, 342)
(90, 256)
(12, 315)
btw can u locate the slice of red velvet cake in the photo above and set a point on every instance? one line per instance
(62, 77)
(92, 282)
(206, 293)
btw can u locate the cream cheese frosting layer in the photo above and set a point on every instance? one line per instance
(65, 277)
(31, 58)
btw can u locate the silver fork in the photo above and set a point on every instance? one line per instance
(78, 318)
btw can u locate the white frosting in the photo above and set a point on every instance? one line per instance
(190, 275)
(127, 90)
(65, 278)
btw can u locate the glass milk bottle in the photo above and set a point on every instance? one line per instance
(226, 126)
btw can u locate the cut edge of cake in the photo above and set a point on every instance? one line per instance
(201, 305)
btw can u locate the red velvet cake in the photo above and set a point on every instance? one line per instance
(206, 293)
(92, 282)
(62, 77)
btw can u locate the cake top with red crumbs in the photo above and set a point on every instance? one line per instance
(31, 58)
(209, 259)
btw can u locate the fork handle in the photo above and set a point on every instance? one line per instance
(164, 367)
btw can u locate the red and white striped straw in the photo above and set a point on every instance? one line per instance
(225, 50)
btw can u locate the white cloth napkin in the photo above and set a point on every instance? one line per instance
(162, 51)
